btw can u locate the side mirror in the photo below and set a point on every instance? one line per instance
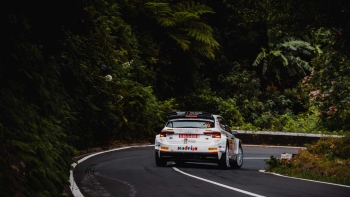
(234, 132)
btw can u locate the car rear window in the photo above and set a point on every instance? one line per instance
(190, 124)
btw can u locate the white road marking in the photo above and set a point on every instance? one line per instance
(219, 184)
(76, 192)
(73, 186)
(304, 179)
(271, 146)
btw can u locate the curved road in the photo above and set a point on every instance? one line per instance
(131, 172)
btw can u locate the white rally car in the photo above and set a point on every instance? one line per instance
(198, 137)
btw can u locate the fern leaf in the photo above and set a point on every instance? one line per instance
(284, 60)
(276, 53)
(318, 49)
(206, 51)
(260, 57)
(159, 9)
(292, 48)
(193, 7)
(306, 52)
(186, 17)
(166, 22)
(182, 41)
(297, 44)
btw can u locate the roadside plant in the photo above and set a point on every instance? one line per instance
(326, 160)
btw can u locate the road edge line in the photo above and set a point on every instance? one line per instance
(73, 186)
(328, 183)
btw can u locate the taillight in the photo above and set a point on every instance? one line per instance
(214, 134)
(163, 133)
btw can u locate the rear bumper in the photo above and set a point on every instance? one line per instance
(189, 156)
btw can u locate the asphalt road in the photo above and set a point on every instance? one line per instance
(131, 172)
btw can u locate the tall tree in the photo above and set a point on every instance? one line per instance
(180, 39)
(35, 157)
(182, 22)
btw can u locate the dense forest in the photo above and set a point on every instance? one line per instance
(87, 73)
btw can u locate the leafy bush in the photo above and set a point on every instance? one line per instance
(327, 160)
(228, 109)
(247, 126)
(304, 122)
(204, 99)
(332, 148)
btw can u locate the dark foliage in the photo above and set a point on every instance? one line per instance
(79, 74)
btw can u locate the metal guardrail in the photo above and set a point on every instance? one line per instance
(287, 133)
(280, 138)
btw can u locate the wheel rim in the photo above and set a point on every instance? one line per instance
(240, 157)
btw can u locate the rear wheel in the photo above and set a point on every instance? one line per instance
(239, 159)
(160, 161)
(224, 162)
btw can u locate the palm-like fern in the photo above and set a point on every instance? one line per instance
(284, 52)
(184, 25)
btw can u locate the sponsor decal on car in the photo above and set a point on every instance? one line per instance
(188, 135)
(187, 130)
(192, 148)
(191, 141)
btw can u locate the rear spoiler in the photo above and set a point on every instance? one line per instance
(189, 114)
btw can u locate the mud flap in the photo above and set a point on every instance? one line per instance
(236, 142)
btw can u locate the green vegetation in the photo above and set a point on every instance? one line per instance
(75, 75)
(327, 160)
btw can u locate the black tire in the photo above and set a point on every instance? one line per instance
(159, 161)
(239, 159)
(224, 162)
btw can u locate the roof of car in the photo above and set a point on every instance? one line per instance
(190, 114)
